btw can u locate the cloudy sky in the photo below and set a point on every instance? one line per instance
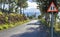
(32, 7)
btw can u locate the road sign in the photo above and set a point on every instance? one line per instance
(52, 8)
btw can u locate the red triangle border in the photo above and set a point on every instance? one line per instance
(53, 10)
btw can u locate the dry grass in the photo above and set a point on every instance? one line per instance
(57, 27)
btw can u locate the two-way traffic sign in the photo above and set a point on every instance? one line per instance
(52, 8)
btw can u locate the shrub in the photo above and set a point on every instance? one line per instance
(2, 19)
(11, 18)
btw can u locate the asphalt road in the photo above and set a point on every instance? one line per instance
(30, 29)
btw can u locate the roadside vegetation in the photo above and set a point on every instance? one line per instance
(11, 20)
(43, 6)
(12, 13)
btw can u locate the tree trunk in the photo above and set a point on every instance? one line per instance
(23, 11)
(20, 10)
(9, 8)
(47, 18)
(3, 6)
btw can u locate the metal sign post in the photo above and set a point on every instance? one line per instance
(52, 9)
(52, 23)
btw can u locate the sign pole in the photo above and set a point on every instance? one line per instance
(52, 23)
(52, 9)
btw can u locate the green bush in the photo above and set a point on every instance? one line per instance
(10, 20)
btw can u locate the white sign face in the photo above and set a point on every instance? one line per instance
(52, 8)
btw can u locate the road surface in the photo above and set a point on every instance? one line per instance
(30, 29)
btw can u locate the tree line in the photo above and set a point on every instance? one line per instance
(13, 5)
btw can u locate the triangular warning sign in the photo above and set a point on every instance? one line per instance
(52, 8)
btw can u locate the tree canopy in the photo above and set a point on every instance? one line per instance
(14, 4)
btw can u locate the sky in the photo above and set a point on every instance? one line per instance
(32, 8)
(30, 0)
